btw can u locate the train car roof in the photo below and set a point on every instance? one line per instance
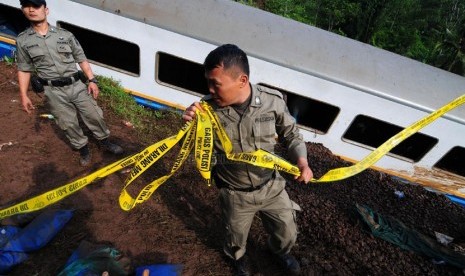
(300, 47)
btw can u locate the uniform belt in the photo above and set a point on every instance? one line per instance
(249, 189)
(61, 81)
(221, 184)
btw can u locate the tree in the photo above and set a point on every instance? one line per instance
(333, 15)
(430, 31)
(448, 51)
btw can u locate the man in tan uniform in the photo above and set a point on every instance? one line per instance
(52, 54)
(251, 116)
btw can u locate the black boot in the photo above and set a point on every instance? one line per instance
(290, 263)
(108, 146)
(84, 152)
(240, 267)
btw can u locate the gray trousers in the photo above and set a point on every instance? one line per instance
(276, 211)
(66, 102)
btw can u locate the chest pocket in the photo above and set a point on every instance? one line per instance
(232, 131)
(36, 54)
(65, 52)
(264, 131)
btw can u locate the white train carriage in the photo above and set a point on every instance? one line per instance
(349, 96)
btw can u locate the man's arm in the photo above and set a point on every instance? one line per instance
(25, 67)
(289, 133)
(23, 80)
(306, 174)
(92, 88)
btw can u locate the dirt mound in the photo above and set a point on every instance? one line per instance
(179, 224)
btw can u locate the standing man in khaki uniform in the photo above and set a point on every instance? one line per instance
(251, 116)
(52, 54)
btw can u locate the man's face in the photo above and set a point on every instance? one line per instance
(35, 14)
(224, 85)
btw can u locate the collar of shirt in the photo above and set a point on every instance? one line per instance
(51, 29)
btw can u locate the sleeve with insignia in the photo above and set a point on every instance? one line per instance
(270, 91)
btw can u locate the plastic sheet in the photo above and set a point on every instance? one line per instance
(396, 232)
(161, 270)
(90, 259)
(32, 237)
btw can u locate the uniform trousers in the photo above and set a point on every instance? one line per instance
(66, 102)
(276, 211)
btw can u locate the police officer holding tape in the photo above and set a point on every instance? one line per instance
(251, 116)
(51, 53)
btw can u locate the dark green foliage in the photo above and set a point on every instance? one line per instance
(430, 31)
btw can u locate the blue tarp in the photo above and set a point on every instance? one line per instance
(161, 270)
(32, 237)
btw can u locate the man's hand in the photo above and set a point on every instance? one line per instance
(189, 113)
(306, 173)
(92, 88)
(23, 82)
(27, 104)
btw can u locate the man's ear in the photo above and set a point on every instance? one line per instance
(244, 80)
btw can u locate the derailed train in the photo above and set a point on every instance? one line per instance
(349, 96)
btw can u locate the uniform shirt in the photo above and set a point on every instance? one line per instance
(53, 56)
(266, 116)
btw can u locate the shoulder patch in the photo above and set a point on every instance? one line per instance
(269, 91)
(62, 31)
(24, 32)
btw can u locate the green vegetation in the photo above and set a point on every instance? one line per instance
(8, 60)
(430, 31)
(142, 119)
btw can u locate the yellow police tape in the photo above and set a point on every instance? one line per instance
(259, 157)
(200, 133)
(55, 195)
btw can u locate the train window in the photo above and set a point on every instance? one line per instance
(308, 112)
(12, 21)
(371, 132)
(107, 51)
(181, 73)
(453, 161)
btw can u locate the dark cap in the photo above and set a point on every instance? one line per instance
(36, 3)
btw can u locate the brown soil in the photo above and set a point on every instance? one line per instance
(179, 224)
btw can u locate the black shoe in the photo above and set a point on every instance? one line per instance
(240, 267)
(290, 263)
(110, 147)
(85, 158)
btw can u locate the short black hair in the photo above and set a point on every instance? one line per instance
(227, 55)
(35, 3)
